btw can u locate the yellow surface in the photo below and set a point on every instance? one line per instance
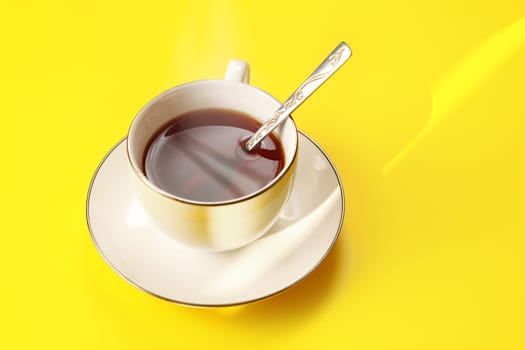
(426, 124)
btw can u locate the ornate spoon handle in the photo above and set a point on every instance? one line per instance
(325, 70)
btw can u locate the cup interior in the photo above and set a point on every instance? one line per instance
(197, 95)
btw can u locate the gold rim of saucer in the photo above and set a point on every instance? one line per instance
(192, 304)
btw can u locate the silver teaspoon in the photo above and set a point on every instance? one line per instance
(325, 70)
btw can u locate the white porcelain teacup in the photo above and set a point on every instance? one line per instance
(215, 225)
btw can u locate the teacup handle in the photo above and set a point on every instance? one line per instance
(238, 70)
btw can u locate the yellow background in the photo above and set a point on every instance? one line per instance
(425, 124)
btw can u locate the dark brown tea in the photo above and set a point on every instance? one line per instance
(199, 156)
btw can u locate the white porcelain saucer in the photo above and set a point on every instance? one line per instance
(148, 258)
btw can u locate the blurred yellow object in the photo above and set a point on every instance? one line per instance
(431, 252)
(468, 76)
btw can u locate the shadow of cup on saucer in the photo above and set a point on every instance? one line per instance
(291, 304)
(300, 298)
